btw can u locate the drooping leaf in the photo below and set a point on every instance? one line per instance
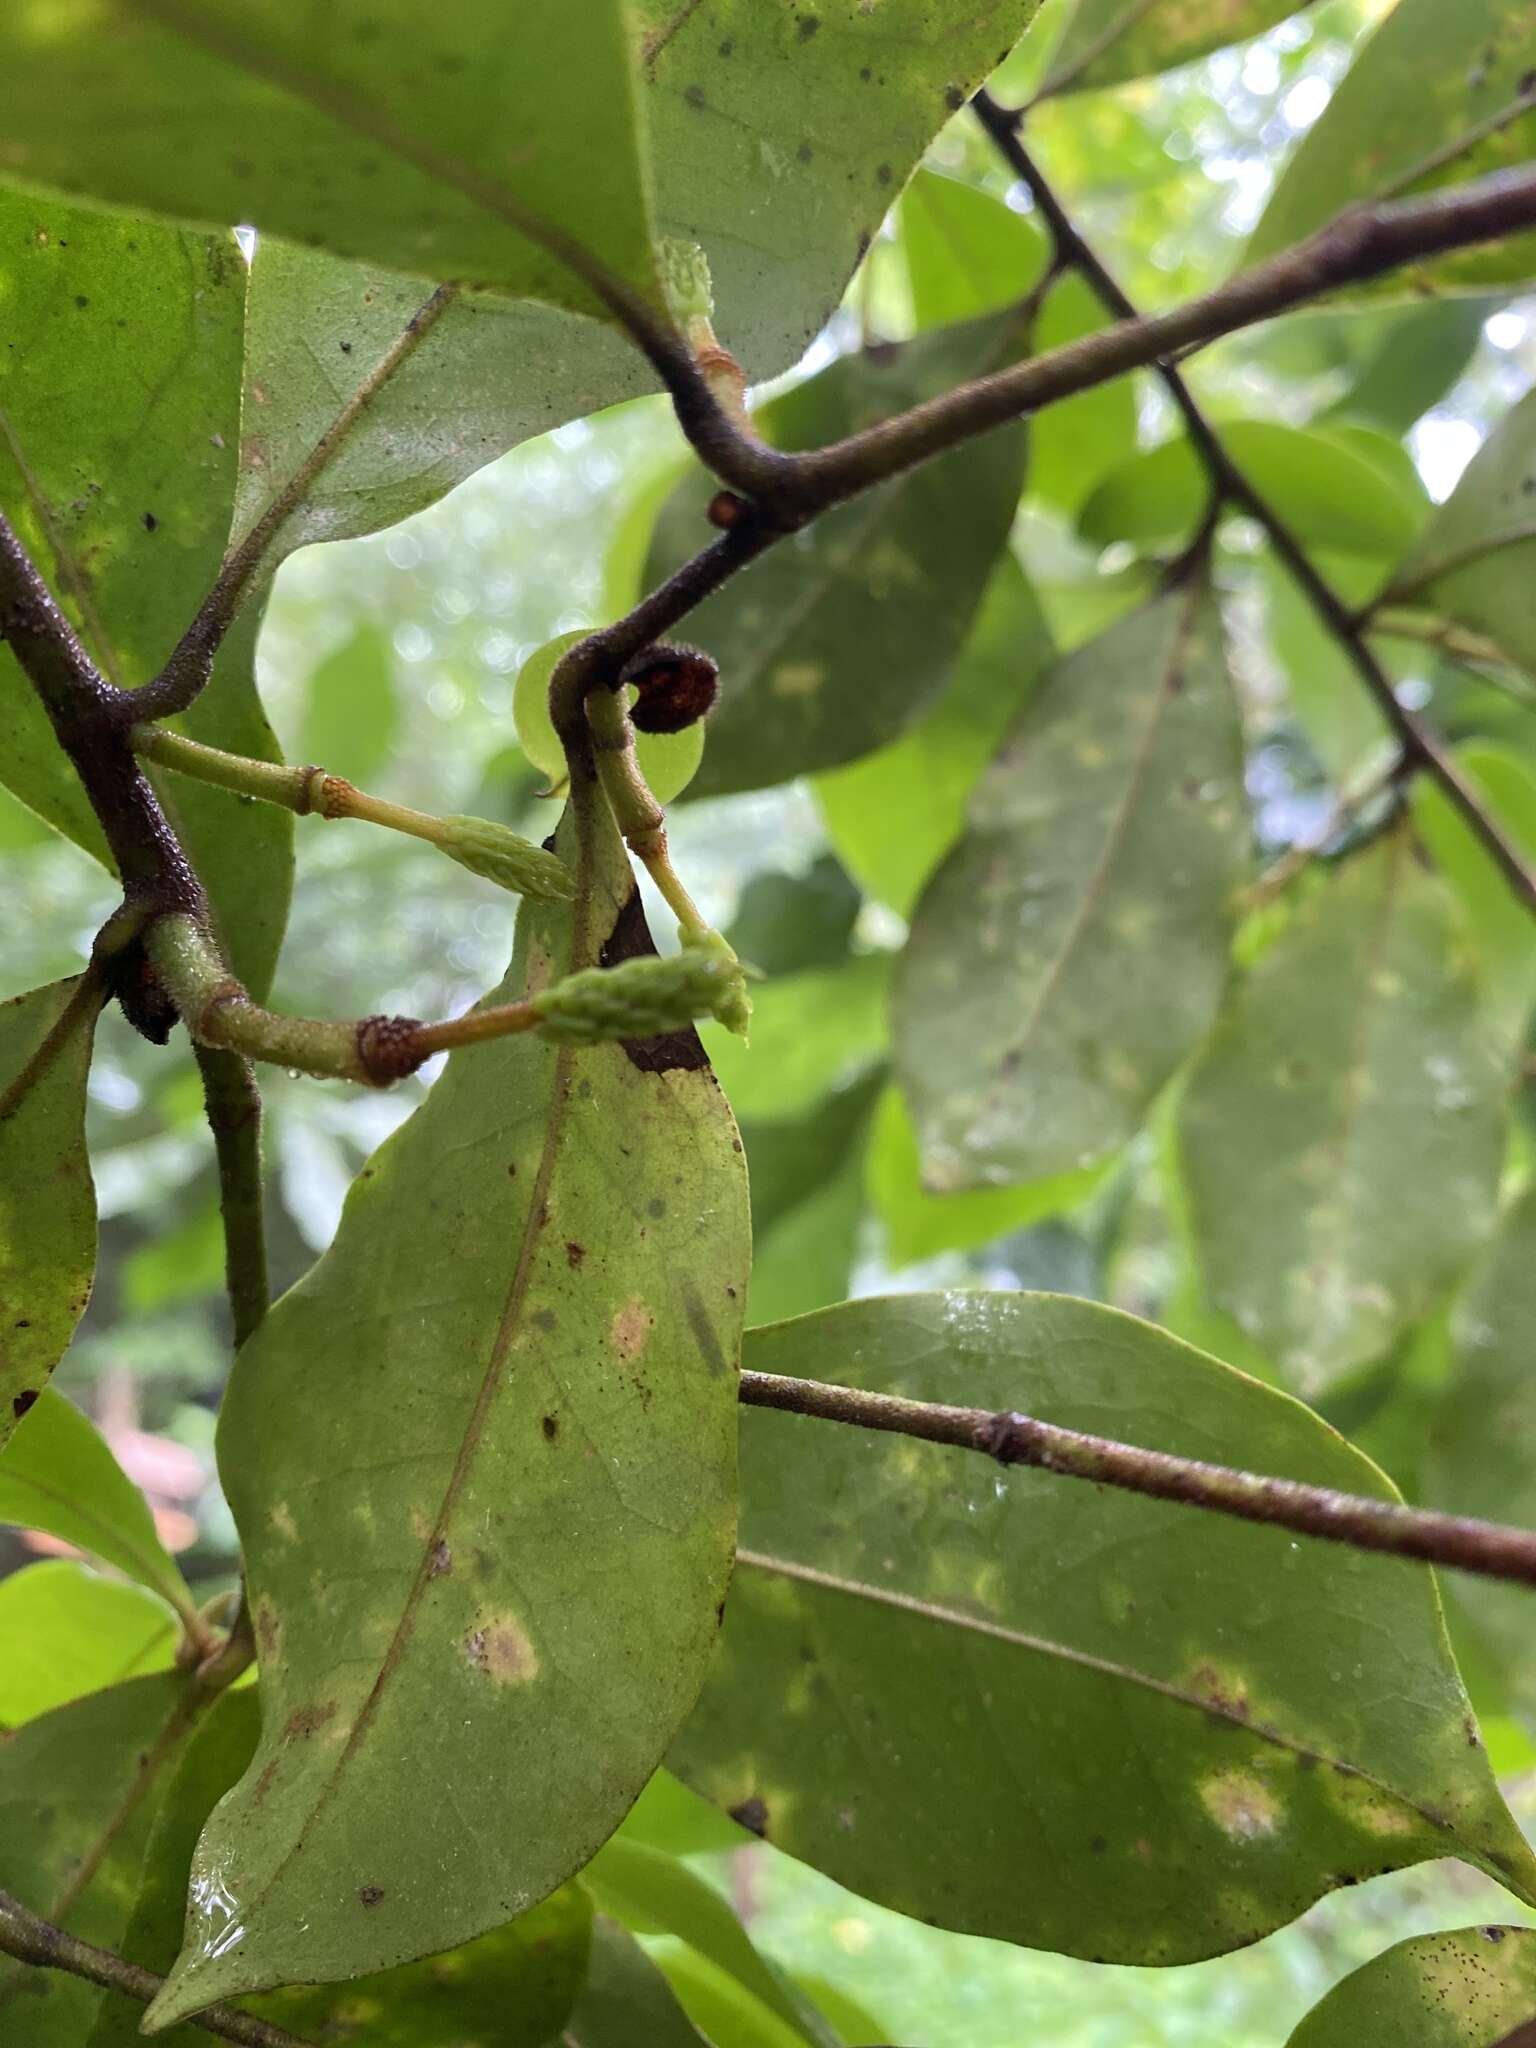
(1471, 1987)
(119, 426)
(508, 1509)
(651, 1893)
(315, 122)
(808, 1201)
(47, 1202)
(66, 1631)
(1332, 490)
(1342, 1133)
(511, 1989)
(79, 1791)
(1436, 95)
(626, 1999)
(1071, 951)
(1158, 1739)
(57, 1474)
(1474, 563)
(831, 646)
(351, 711)
(1108, 41)
(895, 814)
(1480, 1453)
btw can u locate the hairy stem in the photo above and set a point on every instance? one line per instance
(1488, 1548)
(232, 1101)
(46, 1947)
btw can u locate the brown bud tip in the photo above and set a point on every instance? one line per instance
(677, 686)
(725, 510)
(387, 1048)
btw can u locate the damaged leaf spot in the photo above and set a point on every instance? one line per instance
(502, 1650)
(631, 1329)
(1242, 1807)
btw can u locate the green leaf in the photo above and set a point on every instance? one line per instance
(781, 137)
(791, 924)
(668, 1816)
(718, 2002)
(1437, 95)
(1106, 42)
(1152, 1748)
(895, 814)
(919, 1225)
(511, 1989)
(335, 140)
(58, 1474)
(1420, 354)
(808, 1201)
(351, 710)
(496, 1493)
(1471, 1987)
(625, 1999)
(177, 1264)
(1343, 1131)
(1071, 951)
(830, 646)
(47, 1202)
(1480, 1456)
(1073, 444)
(668, 760)
(811, 1033)
(79, 1792)
(1474, 564)
(66, 1631)
(119, 430)
(1500, 926)
(652, 1894)
(1325, 485)
(967, 252)
(1325, 694)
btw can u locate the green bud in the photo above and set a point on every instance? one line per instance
(636, 999)
(504, 858)
(733, 1008)
(685, 279)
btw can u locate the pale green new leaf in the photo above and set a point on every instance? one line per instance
(66, 1631)
(119, 428)
(1471, 1987)
(482, 1463)
(47, 1202)
(454, 143)
(1437, 95)
(58, 1474)
(895, 814)
(833, 644)
(1341, 1135)
(1158, 1737)
(626, 1999)
(1071, 951)
(1106, 42)
(1475, 562)
(80, 1789)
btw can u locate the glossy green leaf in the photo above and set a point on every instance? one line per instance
(1158, 1738)
(668, 760)
(351, 709)
(831, 646)
(651, 1893)
(1106, 42)
(80, 1789)
(313, 122)
(1342, 1133)
(47, 1202)
(119, 426)
(1071, 951)
(626, 1999)
(1480, 1455)
(919, 1225)
(895, 814)
(66, 1631)
(497, 1493)
(1471, 1987)
(811, 1033)
(511, 1989)
(1325, 486)
(58, 1474)
(967, 252)
(808, 1201)
(1475, 562)
(1437, 95)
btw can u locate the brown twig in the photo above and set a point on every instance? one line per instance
(46, 1947)
(1489, 1548)
(232, 1102)
(1418, 744)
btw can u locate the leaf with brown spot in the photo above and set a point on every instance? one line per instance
(492, 1722)
(1470, 1987)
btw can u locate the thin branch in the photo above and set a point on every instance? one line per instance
(1489, 1548)
(1418, 744)
(46, 1947)
(232, 1101)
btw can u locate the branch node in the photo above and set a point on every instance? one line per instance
(389, 1048)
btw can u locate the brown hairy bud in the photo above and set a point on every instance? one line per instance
(725, 510)
(677, 686)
